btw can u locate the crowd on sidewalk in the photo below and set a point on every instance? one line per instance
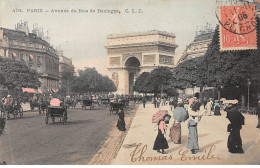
(196, 110)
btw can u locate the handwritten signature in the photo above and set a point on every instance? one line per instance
(138, 155)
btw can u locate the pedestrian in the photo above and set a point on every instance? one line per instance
(175, 132)
(160, 142)
(171, 104)
(121, 120)
(208, 108)
(236, 119)
(258, 113)
(158, 103)
(217, 109)
(192, 143)
(155, 102)
(144, 102)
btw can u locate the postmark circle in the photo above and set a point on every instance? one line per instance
(236, 18)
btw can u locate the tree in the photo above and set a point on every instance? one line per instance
(189, 74)
(90, 81)
(17, 75)
(154, 82)
(231, 69)
(142, 82)
(2, 79)
(227, 70)
(67, 78)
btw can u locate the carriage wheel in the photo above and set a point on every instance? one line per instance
(53, 119)
(15, 115)
(64, 118)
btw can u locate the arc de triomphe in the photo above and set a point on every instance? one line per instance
(129, 55)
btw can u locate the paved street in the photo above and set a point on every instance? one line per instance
(30, 141)
(212, 131)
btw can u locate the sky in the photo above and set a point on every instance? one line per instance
(82, 36)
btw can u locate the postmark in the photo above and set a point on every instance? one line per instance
(237, 27)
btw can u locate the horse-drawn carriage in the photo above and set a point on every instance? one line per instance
(125, 102)
(14, 109)
(42, 105)
(35, 104)
(87, 102)
(56, 112)
(115, 107)
(105, 102)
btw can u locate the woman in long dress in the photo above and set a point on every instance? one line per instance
(160, 142)
(217, 110)
(121, 120)
(175, 132)
(236, 119)
(192, 143)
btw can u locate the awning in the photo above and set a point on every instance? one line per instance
(54, 90)
(14, 54)
(39, 91)
(31, 56)
(28, 90)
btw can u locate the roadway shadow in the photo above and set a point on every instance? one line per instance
(209, 145)
(80, 122)
(247, 146)
(183, 143)
(184, 140)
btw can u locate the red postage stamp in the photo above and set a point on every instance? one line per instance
(237, 27)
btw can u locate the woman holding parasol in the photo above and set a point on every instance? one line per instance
(160, 142)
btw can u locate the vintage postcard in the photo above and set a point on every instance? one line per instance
(129, 82)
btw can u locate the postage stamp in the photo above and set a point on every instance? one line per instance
(237, 27)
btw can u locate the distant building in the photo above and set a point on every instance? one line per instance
(197, 48)
(34, 50)
(200, 44)
(129, 55)
(65, 64)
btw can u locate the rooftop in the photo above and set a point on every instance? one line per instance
(22, 36)
(153, 32)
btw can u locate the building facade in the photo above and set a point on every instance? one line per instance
(65, 64)
(129, 55)
(34, 50)
(199, 46)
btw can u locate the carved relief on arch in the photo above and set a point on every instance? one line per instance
(115, 79)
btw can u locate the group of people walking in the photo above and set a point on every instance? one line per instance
(234, 143)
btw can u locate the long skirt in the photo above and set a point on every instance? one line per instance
(193, 138)
(235, 142)
(121, 124)
(217, 111)
(258, 125)
(160, 141)
(175, 133)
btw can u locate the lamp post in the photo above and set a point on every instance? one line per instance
(248, 87)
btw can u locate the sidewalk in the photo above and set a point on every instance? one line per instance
(26, 107)
(115, 139)
(138, 143)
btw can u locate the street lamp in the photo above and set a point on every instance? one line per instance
(248, 86)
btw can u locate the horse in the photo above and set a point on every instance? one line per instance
(44, 106)
(33, 104)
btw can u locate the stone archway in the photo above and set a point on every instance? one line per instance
(132, 65)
